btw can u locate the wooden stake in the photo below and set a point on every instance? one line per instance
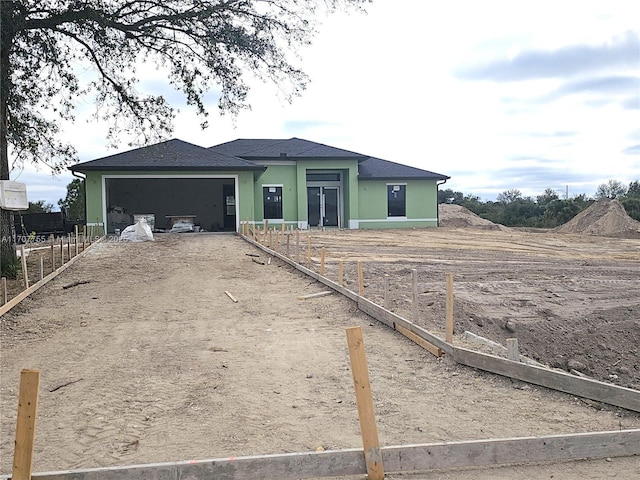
(25, 274)
(53, 255)
(26, 424)
(429, 347)
(283, 226)
(264, 233)
(298, 246)
(61, 251)
(3, 287)
(449, 308)
(75, 228)
(309, 250)
(414, 295)
(341, 273)
(228, 294)
(270, 239)
(360, 279)
(288, 240)
(322, 262)
(386, 291)
(41, 267)
(513, 352)
(315, 295)
(69, 246)
(364, 400)
(277, 240)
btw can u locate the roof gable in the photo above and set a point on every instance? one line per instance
(376, 168)
(169, 155)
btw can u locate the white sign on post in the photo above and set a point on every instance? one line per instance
(13, 195)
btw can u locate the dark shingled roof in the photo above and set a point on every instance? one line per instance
(376, 168)
(237, 155)
(277, 148)
(170, 155)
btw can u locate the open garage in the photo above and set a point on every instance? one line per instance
(210, 202)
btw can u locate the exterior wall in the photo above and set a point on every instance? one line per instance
(286, 176)
(349, 169)
(364, 202)
(421, 204)
(96, 203)
(93, 195)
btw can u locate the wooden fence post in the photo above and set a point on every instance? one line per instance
(26, 424)
(364, 401)
(360, 279)
(75, 228)
(41, 267)
(53, 255)
(513, 352)
(23, 260)
(3, 287)
(386, 291)
(449, 308)
(414, 294)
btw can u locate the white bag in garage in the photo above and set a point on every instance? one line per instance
(140, 232)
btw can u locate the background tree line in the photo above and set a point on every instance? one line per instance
(548, 210)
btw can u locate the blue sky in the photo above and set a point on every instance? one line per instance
(496, 94)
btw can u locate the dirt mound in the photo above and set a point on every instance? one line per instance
(457, 216)
(605, 217)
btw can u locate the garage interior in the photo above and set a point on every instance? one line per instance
(212, 201)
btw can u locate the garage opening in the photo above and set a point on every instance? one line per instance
(210, 201)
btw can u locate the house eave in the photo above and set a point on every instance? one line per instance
(81, 169)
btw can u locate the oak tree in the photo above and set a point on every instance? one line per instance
(55, 52)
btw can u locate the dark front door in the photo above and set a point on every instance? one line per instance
(330, 206)
(322, 206)
(313, 206)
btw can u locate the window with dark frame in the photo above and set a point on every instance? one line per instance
(396, 201)
(272, 197)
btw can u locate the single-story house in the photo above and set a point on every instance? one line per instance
(293, 181)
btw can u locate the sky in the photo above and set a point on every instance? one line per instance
(498, 95)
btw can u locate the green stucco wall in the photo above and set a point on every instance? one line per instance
(94, 180)
(421, 204)
(286, 176)
(364, 201)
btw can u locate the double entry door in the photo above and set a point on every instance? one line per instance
(323, 206)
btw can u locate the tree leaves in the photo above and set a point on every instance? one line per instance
(204, 45)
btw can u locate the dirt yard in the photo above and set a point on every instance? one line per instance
(150, 361)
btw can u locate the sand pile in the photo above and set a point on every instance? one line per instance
(457, 216)
(605, 217)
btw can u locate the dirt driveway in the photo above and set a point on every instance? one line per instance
(150, 361)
